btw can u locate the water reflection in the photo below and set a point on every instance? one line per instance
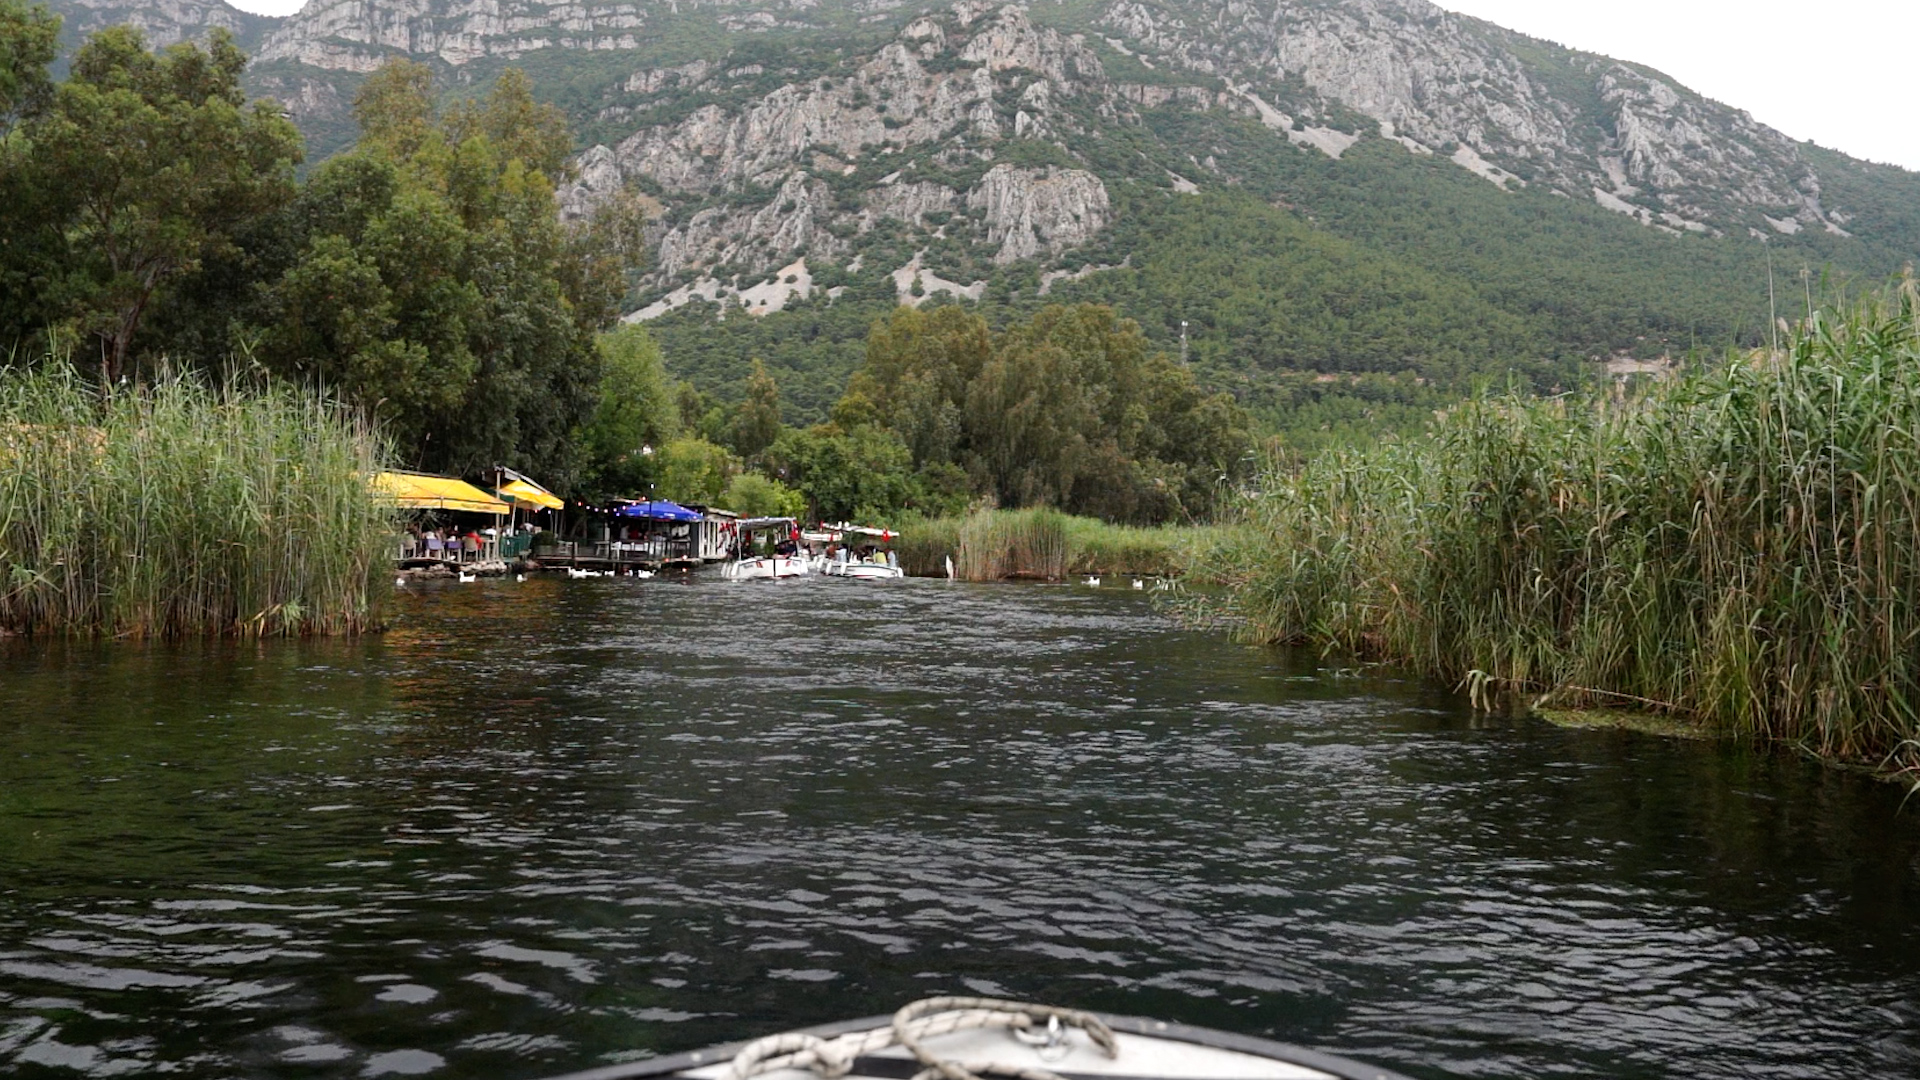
(546, 824)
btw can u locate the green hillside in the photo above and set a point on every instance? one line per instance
(1298, 267)
(1330, 295)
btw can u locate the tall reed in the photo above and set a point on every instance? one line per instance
(1000, 544)
(1041, 543)
(179, 509)
(925, 544)
(1740, 546)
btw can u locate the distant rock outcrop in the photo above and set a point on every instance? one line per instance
(982, 125)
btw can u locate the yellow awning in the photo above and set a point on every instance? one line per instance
(419, 491)
(523, 491)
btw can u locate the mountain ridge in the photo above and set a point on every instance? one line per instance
(1425, 76)
(808, 152)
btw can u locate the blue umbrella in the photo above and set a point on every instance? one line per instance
(659, 510)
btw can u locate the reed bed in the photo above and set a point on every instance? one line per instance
(925, 544)
(181, 509)
(1040, 544)
(1099, 547)
(1739, 547)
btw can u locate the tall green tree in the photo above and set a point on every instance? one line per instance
(637, 414)
(426, 274)
(29, 39)
(512, 122)
(754, 495)
(1069, 408)
(693, 470)
(918, 367)
(863, 476)
(394, 108)
(757, 423)
(152, 164)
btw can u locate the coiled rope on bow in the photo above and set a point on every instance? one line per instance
(927, 1019)
(986, 1012)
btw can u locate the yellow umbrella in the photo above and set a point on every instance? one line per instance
(419, 491)
(529, 493)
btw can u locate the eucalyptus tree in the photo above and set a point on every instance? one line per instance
(757, 422)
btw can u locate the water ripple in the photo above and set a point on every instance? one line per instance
(550, 825)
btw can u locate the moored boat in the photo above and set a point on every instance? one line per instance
(784, 560)
(858, 551)
(974, 1038)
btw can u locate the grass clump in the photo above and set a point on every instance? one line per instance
(1739, 547)
(1041, 544)
(181, 509)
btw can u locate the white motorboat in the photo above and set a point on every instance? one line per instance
(869, 561)
(866, 571)
(975, 1038)
(761, 567)
(786, 560)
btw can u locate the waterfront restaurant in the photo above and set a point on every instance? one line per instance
(660, 533)
(444, 504)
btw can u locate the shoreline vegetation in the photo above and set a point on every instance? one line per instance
(1044, 544)
(1733, 550)
(176, 509)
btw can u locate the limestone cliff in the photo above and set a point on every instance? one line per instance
(971, 138)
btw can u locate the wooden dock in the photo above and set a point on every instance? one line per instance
(655, 555)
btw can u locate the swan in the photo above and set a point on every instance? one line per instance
(1093, 581)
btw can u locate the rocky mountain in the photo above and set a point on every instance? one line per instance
(163, 21)
(800, 148)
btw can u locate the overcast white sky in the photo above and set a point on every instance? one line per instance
(1843, 73)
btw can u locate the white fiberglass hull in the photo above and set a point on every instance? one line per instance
(864, 571)
(766, 568)
(864, 1050)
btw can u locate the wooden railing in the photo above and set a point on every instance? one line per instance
(651, 550)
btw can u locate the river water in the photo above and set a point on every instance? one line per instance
(549, 825)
